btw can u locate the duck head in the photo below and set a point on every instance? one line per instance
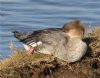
(74, 29)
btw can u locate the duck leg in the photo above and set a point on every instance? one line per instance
(31, 50)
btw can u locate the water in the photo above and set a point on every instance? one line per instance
(28, 15)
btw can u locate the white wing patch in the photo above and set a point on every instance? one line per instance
(33, 44)
(26, 47)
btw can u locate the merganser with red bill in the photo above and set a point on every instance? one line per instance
(64, 43)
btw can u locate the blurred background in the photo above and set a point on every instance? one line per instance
(30, 15)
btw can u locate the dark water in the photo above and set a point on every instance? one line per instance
(28, 15)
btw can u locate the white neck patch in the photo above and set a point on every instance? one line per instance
(72, 33)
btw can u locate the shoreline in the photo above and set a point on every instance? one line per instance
(38, 66)
(7, 56)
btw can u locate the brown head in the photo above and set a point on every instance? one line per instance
(74, 29)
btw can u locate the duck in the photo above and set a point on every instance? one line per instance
(64, 43)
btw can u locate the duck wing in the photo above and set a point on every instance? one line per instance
(35, 36)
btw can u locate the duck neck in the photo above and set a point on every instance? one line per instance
(78, 37)
(75, 34)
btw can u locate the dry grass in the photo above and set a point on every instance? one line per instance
(20, 65)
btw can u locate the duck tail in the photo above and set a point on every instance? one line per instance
(16, 34)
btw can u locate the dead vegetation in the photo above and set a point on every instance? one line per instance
(20, 65)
